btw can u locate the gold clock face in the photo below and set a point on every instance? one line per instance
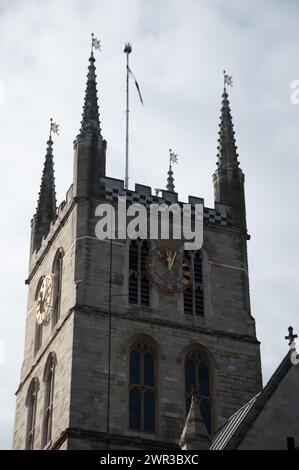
(44, 300)
(170, 270)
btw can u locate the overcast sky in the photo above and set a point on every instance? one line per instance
(180, 48)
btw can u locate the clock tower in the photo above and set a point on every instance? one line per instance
(112, 357)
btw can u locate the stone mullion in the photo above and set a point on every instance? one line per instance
(193, 285)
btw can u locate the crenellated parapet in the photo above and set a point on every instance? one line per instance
(112, 188)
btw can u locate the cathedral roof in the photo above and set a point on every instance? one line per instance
(232, 432)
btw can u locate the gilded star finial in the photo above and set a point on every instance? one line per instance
(95, 43)
(54, 127)
(173, 157)
(228, 79)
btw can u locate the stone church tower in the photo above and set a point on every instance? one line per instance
(114, 362)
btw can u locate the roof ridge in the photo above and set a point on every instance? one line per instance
(236, 412)
(255, 405)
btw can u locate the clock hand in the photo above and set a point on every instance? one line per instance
(172, 261)
(168, 259)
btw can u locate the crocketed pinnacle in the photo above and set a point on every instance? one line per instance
(195, 435)
(46, 206)
(227, 149)
(90, 117)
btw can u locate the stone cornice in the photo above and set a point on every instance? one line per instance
(111, 439)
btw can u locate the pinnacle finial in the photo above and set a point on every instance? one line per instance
(90, 117)
(46, 206)
(227, 149)
(227, 79)
(54, 127)
(127, 48)
(195, 435)
(173, 158)
(291, 335)
(95, 44)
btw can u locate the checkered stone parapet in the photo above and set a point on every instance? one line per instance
(111, 189)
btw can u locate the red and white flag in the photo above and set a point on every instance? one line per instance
(136, 83)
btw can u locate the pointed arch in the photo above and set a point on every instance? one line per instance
(57, 269)
(143, 384)
(199, 369)
(49, 379)
(31, 402)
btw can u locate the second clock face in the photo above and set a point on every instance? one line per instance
(170, 270)
(44, 300)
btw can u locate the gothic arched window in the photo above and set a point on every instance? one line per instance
(49, 374)
(139, 286)
(57, 273)
(197, 377)
(143, 387)
(194, 296)
(31, 401)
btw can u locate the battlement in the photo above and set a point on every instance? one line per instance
(112, 188)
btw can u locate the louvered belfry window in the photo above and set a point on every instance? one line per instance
(194, 296)
(139, 286)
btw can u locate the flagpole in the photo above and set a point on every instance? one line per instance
(127, 51)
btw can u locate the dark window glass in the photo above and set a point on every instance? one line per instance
(149, 411)
(135, 418)
(190, 375)
(149, 370)
(135, 367)
(204, 388)
(205, 409)
(142, 388)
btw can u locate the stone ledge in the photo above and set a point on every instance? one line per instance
(111, 439)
